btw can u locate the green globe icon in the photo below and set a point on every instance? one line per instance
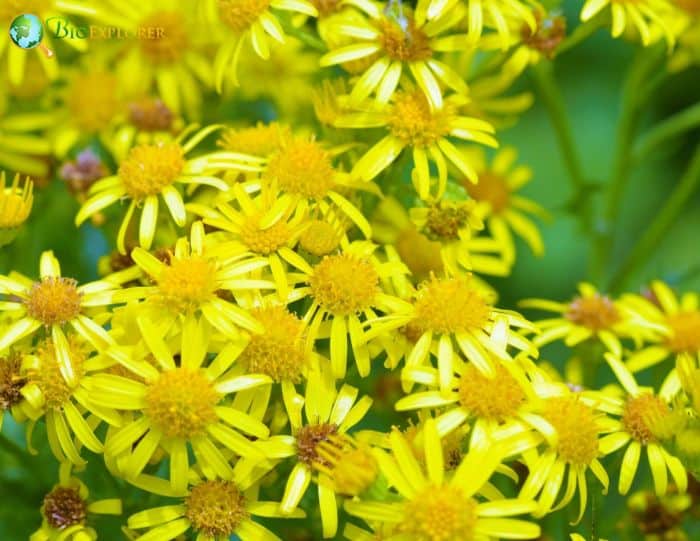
(26, 31)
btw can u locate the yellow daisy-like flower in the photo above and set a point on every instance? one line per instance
(454, 226)
(163, 53)
(401, 41)
(67, 510)
(262, 227)
(252, 20)
(573, 428)
(11, 382)
(329, 413)
(678, 321)
(152, 170)
(64, 405)
(455, 311)
(647, 17)
(178, 405)
(17, 58)
(413, 125)
(55, 301)
(15, 206)
(498, 203)
(589, 315)
(346, 294)
(191, 281)
(645, 418)
(259, 140)
(213, 509)
(434, 504)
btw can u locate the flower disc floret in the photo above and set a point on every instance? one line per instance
(344, 284)
(639, 415)
(596, 312)
(216, 508)
(494, 398)
(441, 513)
(450, 305)
(53, 300)
(576, 427)
(181, 403)
(149, 168)
(63, 507)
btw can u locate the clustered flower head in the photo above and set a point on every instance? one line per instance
(263, 278)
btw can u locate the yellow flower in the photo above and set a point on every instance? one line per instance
(259, 140)
(398, 40)
(212, 509)
(678, 323)
(264, 227)
(64, 404)
(179, 405)
(152, 170)
(54, 301)
(11, 382)
(413, 125)
(346, 294)
(454, 226)
(572, 427)
(644, 417)
(15, 206)
(191, 281)
(589, 315)
(455, 311)
(432, 504)
(67, 510)
(329, 413)
(498, 203)
(166, 53)
(647, 17)
(252, 20)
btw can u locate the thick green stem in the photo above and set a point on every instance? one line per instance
(543, 78)
(666, 217)
(673, 126)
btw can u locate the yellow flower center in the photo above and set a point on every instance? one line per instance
(445, 222)
(11, 382)
(689, 6)
(181, 403)
(92, 100)
(405, 45)
(450, 305)
(643, 416)
(350, 466)
(596, 312)
(491, 189)
(309, 437)
(326, 7)
(48, 377)
(344, 284)
(150, 168)
(411, 120)
(150, 114)
(303, 168)
(320, 238)
(240, 14)
(187, 282)
(259, 140)
(421, 255)
(164, 37)
(264, 241)
(496, 399)
(9, 9)
(63, 507)
(15, 202)
(279, 350)
(53, 301)
(550, 31)
(576, 427)
(215, 508)
(441, 513)
(685, 327)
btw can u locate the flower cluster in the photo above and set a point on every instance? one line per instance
(264, 279)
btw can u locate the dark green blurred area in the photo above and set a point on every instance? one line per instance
(590, 78)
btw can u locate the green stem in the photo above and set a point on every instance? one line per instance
(671, 127)
(689, 183)
(583, 32)
(641, 67)
(302, 35)
(543, 78)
